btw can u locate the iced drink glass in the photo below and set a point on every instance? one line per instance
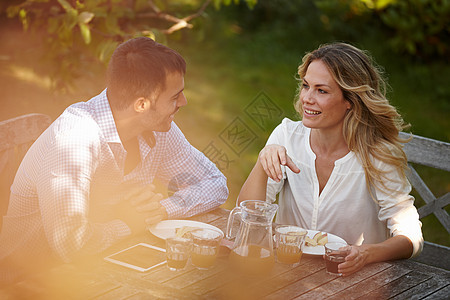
(289, 242)
(205, 247)
(177, 252)
(335, 254)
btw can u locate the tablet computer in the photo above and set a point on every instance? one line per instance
(141, 257)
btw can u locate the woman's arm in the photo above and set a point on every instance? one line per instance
(396, 247)
(268, 164)
(255, 186)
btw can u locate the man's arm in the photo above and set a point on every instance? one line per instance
(63, 190)
(195, 185)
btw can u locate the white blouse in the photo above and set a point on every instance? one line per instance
(345, 206)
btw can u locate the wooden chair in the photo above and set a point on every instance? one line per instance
(16, 136)
(435, 154)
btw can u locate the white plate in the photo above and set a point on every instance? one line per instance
(167, 228)
(320, 250)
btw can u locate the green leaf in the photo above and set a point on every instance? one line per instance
(106, 49)
(251, 3)
(149, 34)
(85, 33)
(12, 11)
(85, 17)
(23, 18)
(217, 4)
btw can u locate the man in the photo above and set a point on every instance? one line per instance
(86, 183)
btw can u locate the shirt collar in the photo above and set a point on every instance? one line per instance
(104, 118)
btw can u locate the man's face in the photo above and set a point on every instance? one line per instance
(162, 111)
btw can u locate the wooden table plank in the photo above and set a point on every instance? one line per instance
(302, 286)
(162, 273)
(209, 284)
(64, 282)
(196, 276)
(443, 293)
(422, 290)
(133, 282)
(372, 283)
(398, 286)
(98, 289)
(120, 292)
(439, 279)
(211, 216)
(341, 283)
(97, 279)
(256, 288)
(222, 224)
(232, 285)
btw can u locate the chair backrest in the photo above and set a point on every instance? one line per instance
(435, 154)
(16, 136)
(432, 153)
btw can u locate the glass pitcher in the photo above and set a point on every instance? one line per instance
(252, 251)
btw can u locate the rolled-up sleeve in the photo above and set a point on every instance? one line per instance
(195, 184)
(398, 211)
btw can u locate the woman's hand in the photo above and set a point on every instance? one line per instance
(397, 247)
(356, 259)
(272, 157)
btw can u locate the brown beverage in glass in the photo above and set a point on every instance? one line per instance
(204, 258)
(205, 247)
(332, 261)
(177, 252)
(175, 261)
(335, 254)
(289, 254)
(252, 260)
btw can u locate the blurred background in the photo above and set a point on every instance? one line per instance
(242, 59)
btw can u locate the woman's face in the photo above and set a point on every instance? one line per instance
(322, 100)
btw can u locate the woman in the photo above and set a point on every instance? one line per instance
(342, 168)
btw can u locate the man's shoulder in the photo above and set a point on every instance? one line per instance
(171, 140)
(77, 119)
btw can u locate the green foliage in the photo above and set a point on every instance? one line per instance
(414, 27)
(417, 28)
(218, 3)
(83, 33)
(421, 27)
(377, 4)
(259, 50)
(79, 33)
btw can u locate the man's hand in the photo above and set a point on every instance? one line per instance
(147, 202)
(146, 206)
(272, 157)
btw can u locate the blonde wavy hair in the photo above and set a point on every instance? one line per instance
(371, 127)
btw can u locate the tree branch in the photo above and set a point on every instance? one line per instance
(199, 12)
(153, 6)
(179, 23)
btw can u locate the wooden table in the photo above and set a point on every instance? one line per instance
(98, 279)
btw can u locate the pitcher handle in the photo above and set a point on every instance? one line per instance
(234, 211)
